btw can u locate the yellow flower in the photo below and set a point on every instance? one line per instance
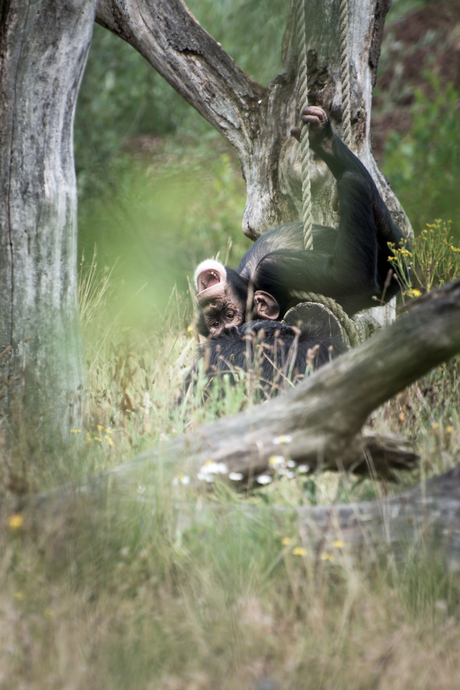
(286, 541)
(299, 551)
(327, 557)
(337, 544)
(449, 429)
(15, 521)
(100, 427)
(109, 440)
(276, 460)
(282, 439)
(75, 431)
(19, 596)
(416, 293)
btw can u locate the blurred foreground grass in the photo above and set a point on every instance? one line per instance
(161, 218)
(178, 589)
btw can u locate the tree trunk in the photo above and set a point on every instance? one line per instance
(43, 50)
(257, 121)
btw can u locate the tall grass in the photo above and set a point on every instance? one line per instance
(171, 588)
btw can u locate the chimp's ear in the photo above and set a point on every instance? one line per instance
(266, 306)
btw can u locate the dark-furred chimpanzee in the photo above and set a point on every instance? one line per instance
(349, 264)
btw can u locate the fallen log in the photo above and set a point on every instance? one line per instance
(427, 516)
(319, 423)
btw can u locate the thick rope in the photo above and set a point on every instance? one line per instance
(342, 317)
(304, 139)
(345, 73)
(346, 323)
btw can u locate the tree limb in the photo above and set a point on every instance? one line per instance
(429, 513)
(169, 37)
(318, 423)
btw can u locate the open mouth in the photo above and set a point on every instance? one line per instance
(207, 279)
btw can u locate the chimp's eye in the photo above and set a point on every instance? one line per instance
(230, 315)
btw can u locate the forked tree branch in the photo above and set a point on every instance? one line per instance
(257, 121)
(169, 37)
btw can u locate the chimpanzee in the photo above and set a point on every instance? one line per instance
(349, 264)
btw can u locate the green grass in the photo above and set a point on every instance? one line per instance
(138, 597)
(178, 589)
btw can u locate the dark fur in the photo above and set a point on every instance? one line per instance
(274, 350)
(349, 264)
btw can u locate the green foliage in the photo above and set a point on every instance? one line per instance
(121, 96)
(248, 30)
(424, 165)
(158, 223)
(428, 261)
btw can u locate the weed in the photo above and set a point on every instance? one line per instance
(430, 260)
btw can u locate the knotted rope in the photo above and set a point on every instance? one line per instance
(346, 323)
(304, 139)
(345, 73)
(342, 317)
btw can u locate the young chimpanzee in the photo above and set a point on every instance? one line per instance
(349, 264)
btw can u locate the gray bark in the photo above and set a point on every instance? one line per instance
(43, 50)
(256, 120)
(426, 516)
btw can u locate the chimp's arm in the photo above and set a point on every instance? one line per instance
(356, 269)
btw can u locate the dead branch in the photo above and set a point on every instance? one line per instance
(319, 423)
(427, 516)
